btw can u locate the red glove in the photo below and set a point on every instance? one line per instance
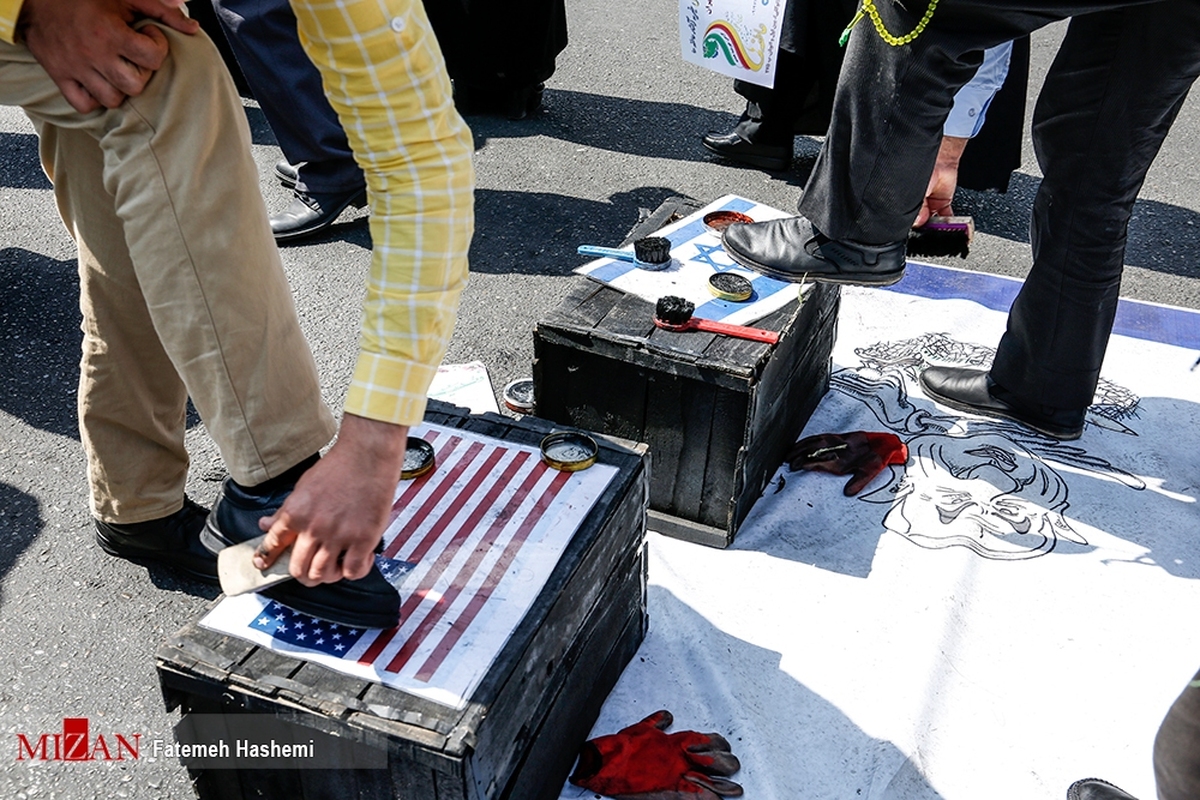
(858, 453)
(644, 763)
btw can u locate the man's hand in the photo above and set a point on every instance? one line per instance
(943, 182)
(337, 512)
(90, 49)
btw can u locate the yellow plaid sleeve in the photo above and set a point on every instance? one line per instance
(9, 10)
(386, 79)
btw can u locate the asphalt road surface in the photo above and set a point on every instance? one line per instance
(619, 133)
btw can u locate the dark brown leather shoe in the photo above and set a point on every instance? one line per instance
(771, 157)
(973, 391)
(791, 249)
(173, 541)
(1096, 789)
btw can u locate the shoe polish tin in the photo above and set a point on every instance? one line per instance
(568, 451)
(518, 396)
(728, 286)
(418, 459)
(717, 221)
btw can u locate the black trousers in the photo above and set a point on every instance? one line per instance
(1177, 747)
(1109, 99)
(263, 37)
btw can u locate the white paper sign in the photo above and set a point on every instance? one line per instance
(738, 38)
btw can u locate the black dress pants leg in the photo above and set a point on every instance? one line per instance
(892, 102)
(1109, 99)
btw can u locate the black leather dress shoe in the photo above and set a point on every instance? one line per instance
(972, 390)
(791, 249)
(369, 602)
(286, 173)
(1096, 789)
(771, 157)
(512, 102)
(173, 541)
(311, 213)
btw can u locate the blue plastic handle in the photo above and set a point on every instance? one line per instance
(606, 252)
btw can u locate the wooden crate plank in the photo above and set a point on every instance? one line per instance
(263, 663)
(721, 483)
(664, 398)
(696, 419)
(393, 704)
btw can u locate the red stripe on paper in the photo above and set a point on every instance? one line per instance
(435, 497)
(492, 491)
(418, 636)
(484, 592)
(415, 484)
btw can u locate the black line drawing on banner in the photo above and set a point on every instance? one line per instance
(987, 485)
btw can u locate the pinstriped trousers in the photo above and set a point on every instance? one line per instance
(1109, 99)
(181, 287)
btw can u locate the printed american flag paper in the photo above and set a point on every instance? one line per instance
(469, 547)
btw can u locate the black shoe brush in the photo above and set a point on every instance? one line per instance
(675, 314)
(942, 236)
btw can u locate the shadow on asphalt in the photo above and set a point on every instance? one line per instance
(20, 524)
(634, 127)
(537, 233)
(40, 340)
(20, 167)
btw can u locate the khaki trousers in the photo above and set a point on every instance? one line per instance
(181, 286)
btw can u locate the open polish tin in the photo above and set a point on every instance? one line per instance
(568, 451)
(418, 459)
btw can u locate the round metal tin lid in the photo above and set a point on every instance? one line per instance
(518, 395)
(728, 286)
(568, 451)
(418, 459)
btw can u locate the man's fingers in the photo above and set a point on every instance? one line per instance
(325, 567)
(80, 98)
(279, 538)
(168, 12)
(145, 47)
(103, 91)
(357, 563)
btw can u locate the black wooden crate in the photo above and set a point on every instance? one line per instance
(517, 737)
(718, 413)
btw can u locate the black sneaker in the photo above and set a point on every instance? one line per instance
(369, 602)
(173, 541)
(792, 250)
(972, 390)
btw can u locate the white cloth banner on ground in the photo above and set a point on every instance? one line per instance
(469, 547)
(1002, 616)
(697, 254)
(737, 38)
